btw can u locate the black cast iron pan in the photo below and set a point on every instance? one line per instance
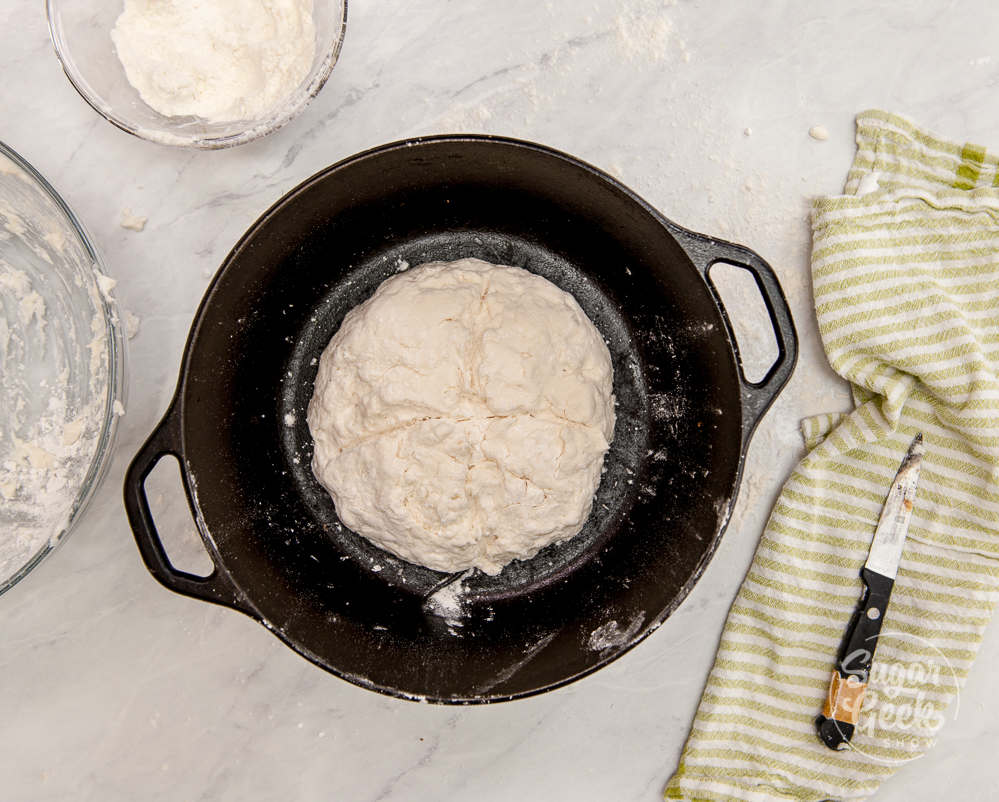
(684, 418)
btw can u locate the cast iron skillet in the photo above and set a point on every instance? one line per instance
(684, 418)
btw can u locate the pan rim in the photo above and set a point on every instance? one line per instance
(178, 402)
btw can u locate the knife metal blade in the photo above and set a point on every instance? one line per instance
(889, 537)
(841, 711)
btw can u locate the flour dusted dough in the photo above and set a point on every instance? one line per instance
(461, 415)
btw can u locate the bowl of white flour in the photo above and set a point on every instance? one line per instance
(63, 365)
(198, 74)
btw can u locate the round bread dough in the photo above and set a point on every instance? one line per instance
(461, 415)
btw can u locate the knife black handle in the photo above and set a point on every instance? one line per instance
(841, 710)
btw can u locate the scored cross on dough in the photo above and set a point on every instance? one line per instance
(461, 415)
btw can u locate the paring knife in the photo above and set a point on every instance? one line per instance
(841, 710)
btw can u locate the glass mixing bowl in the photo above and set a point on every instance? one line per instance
(62, 359)
(81, 33)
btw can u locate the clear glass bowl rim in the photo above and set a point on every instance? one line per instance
(256, 130)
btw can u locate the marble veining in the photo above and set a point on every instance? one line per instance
(115, 689)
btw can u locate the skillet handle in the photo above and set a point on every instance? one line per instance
(216, 587)
(756, 396)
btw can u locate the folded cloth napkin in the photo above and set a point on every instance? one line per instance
(905, 270)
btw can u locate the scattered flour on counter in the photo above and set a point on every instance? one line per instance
(133, 222)
(132, 323)
(222, 61)
(645, 30)
(641, 32)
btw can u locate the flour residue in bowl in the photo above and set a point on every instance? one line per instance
(54, 359)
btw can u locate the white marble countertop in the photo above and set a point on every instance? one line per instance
(113, 688)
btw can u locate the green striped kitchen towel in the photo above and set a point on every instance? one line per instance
(905, 270)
